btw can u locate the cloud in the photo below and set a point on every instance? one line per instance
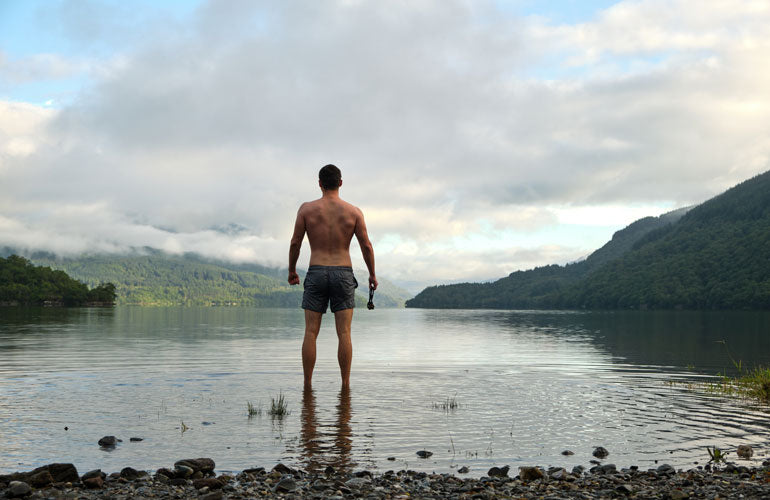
(451, 121)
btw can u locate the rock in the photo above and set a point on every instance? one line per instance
(207, 423)
(135, 439)
(93, 473)
(177, 481)
(678, 495)
(601, 452)
(130, 473)
(392, 459)
(578, 470)
(285, 485)
(665, 469)
(94, 482)
(212, 483)
(329, 470)
(357, 482)
(168, 474)
(214, 495)
(498, 471)
(624, 489)
(255, 470)
(530, 473)
(560, 474)
(108, 442)
(283, 469)
(567, 453)
(63, 473)
(608, 468)
(204, 465)
(183, 471)
(40, 479)
(463, 470)
(745, 451)
(424, 454)
(18, 489)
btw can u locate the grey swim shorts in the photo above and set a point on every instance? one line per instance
(329, 284)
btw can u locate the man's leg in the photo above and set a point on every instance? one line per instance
(312, 326)
(342, 320)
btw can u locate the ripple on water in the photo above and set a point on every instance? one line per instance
(528, 384)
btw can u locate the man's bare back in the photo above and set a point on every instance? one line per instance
(330, 224)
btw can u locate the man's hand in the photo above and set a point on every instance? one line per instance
(372, 282)
(293, 278)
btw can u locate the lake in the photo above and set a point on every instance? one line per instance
(527, 384)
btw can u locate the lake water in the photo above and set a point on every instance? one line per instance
(529, 385)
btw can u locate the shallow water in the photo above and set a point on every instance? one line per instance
(529, 385)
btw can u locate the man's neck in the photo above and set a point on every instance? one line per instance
(331, 193)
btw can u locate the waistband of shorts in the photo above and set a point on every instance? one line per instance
(329, 268)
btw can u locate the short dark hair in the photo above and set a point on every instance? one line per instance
(330, 177)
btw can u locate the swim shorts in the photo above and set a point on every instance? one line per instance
(333, 285)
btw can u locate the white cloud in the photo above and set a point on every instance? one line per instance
(445, 139)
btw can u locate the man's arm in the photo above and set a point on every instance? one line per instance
(367, 250)
(296, 245)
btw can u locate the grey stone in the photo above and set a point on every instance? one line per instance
(498, 471)
(608, 468)
(18, 489)
(93, 473)
(198, 464)
(136, 439)
(357, 482)
(567, 453)
(108, 442)
(463, 470)
(183, 471)
(745, 451)
(578, 470)
(624, 489)
(560, 474)
(600, 452)
(665, 469)
(285, 485)
(424, 454)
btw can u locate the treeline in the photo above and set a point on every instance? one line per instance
(22, 283)
(713, 257)
(166, 280)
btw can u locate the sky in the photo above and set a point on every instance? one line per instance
(478, 137)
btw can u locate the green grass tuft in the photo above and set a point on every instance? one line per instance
(449, 404)
(278, 406)
(254, 410)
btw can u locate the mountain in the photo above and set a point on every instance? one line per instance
(162, 279)
(713, 256)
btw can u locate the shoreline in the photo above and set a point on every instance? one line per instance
(196, 478)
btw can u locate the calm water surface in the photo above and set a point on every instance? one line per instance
(529, 385)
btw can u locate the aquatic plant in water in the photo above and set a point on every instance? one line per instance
(254, 410)
(716, 454)
(278, 406)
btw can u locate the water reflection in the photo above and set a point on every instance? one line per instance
(326, 444)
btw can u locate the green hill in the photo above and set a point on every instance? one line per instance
(22, 283)
(713, 256)
(162, 279)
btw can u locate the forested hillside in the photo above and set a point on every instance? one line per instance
(22, 283)
(713, 257)
(162, 279)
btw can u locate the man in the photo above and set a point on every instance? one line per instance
(330, 224)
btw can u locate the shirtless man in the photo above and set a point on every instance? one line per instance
(330, 224)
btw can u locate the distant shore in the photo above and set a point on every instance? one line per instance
(196, 478)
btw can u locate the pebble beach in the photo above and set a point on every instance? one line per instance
(197, 478)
